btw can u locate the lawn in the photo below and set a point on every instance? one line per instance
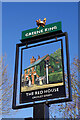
(35, 87)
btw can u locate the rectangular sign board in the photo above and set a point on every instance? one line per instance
(43, 73)
(40, 73)
(54, 27)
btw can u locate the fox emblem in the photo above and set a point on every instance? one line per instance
(41, 23)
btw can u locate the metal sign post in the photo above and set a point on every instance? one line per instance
(41, 111)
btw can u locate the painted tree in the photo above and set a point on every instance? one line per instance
(58, 58)
(71, 109)
(57, 54)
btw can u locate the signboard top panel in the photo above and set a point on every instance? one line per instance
(54, 27)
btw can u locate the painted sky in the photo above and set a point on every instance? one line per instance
(20, 16)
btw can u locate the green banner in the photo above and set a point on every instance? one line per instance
(47, 29)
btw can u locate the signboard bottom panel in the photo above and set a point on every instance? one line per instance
(43, 94)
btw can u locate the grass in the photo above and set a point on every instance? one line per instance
(35, 87)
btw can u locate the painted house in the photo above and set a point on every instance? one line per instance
(38, 71)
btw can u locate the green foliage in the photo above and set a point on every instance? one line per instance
(60, 70)
(57, 55)
(51, 61)
(55, 77)
(50, 70)
(40, 69)
(42, 66)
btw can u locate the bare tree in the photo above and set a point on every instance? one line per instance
(71, 109)
(5, 89)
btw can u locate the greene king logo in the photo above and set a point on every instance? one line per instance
(44, 30)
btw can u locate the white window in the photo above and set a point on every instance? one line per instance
(58, 66)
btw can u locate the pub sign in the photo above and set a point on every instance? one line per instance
(39, 68)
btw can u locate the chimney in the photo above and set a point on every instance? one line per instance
(38, 57)
(32, 60)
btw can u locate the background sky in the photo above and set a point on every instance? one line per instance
(20, 16)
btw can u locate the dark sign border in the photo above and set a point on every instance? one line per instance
(14, 106)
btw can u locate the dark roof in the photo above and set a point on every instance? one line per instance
(36, 62)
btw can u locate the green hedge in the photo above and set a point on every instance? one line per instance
(55, 77)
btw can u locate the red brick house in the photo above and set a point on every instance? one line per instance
(38, 68)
